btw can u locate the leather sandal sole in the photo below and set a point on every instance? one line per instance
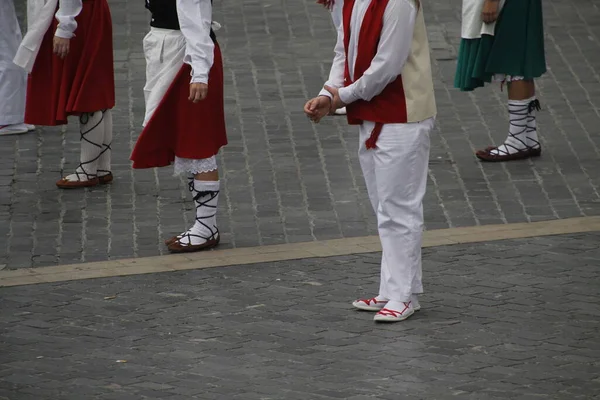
(175, 247)
(485, 155)
(65, 184)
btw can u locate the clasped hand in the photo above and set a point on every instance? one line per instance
(320, 106)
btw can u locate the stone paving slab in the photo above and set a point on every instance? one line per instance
(287, 252)
(514, 319)
(286, 180)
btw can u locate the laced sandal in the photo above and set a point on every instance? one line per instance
(90, 181)
(371, 304)
(517, 146)
(184, 243)
(392, 315)
(495, 154)
(180, 245)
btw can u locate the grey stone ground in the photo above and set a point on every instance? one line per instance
(515, 319)
(286, 180)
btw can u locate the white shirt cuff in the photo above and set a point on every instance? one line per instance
(201, 78)
(62, 33)
(324, 92)
(347, 95)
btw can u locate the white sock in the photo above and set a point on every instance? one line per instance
(206, 198)
(104, 160)
(381, 298)
(532, 137)
(398, 305)
(518, 111)
(92, 135)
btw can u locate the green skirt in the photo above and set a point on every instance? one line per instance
(516, 49)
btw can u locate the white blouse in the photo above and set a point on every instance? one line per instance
(195, 19)
(392, 52)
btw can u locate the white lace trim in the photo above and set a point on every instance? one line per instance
(507, 78)
(191, 166)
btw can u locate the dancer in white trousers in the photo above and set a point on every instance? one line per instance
(382, 73)
(13, 79)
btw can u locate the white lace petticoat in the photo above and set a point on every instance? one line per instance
(507, 78)
(191, 166)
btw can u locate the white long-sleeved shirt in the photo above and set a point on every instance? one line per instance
(68, 10)
(392, 52)
(195, 19)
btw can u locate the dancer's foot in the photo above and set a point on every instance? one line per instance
(395, 312)
(188, 242)
(78, 180)
(500, 154)
(13, 129)
(377, 303)
(372, 304)
(105, 177)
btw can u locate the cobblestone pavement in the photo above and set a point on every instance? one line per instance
(286, 180)
(500, 320)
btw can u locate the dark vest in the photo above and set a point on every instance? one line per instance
(164, 15)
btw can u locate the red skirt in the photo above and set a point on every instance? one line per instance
(181, 128)
(82, 82)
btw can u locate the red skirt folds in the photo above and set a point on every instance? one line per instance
(82, 82)
(181, 128)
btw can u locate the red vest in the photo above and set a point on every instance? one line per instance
(390, 105)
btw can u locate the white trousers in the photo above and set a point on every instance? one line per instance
(396, 177)
(13, 80)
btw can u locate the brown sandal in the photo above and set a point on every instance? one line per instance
(487, 156)
(66, 184)
(177, 247)
(105, 179)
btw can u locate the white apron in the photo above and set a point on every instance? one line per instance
(164, 50)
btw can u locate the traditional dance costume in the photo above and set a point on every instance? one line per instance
(181, 44)
(510, 49)
(383, 69)
(13, 80)
(81, 84)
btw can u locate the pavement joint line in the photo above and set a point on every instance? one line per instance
(285, 252)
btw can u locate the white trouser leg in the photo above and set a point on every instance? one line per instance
(396, 178)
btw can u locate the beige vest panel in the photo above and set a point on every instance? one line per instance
(416, 75)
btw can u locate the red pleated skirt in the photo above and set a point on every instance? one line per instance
(181, 128)
(84, 80)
